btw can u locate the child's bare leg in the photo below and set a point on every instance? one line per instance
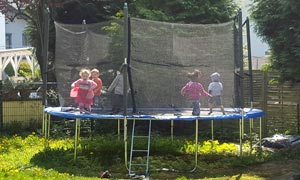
(222, 109)
(210, 105)
(81, 107)
(88, 107)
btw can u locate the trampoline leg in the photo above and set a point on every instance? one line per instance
(76, 136)
(43, 123)
(196, 146)
(125, 142)
(241, 132)
(172, 130)
(119, 129)
(212, 130)
(46, 126)
(260, 131)
(250, 132)
(243, 125)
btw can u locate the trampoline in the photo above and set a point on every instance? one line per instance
(158, 114)
(155, 61)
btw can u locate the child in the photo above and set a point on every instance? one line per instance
(194, 89)
(85, 92)
(215, 89)
(116, 88)
(97, 91)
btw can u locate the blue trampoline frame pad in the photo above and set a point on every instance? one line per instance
(161, 114)
(158, 114)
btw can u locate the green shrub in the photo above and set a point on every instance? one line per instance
(24, 69)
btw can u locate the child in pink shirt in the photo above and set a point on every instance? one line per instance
(194, 91)
(85, 93)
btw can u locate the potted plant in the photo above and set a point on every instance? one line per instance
(9, 91)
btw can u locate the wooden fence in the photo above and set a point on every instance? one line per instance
(22, 113)
(280, 102)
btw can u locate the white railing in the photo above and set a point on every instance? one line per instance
(14, 57)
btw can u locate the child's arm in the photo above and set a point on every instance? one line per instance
(75, 84)
(184, 89)
(93, 85)
(203, 91)
(99, 86)
(182, 92)
(91, 94)
(221, 86)
(113, 84)
(209, 88)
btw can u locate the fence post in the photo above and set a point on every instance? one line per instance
(298, 118)
(265, 103)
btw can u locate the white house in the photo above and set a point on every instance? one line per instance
(2, 31)
(15, 37)
(14, 46)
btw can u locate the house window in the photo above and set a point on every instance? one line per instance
(24, 41)
(8, 38)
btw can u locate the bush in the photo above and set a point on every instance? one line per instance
(24, 69)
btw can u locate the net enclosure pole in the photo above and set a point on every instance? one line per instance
(249, 61)
(132, 91)
(241, 67)
(45, 43)
(125, 53)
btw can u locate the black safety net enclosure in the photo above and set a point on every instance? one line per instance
(90, 46)
(161, 54)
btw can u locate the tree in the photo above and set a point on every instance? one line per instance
(92, 11)
(64, 11)
(277, 22)
(185, 11)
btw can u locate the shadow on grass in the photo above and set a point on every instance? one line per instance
(63, 161)
(92, 158)
(99, 155)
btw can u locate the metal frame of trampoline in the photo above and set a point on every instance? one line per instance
(240, 114)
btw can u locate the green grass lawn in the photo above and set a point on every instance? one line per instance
(27, 158)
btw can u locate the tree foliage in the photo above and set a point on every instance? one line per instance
(75, 11)
(277, 22)
(185, 11)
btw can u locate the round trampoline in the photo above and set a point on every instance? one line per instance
(157, 56)
(159, 114)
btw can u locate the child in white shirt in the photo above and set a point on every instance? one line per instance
(215, 88)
